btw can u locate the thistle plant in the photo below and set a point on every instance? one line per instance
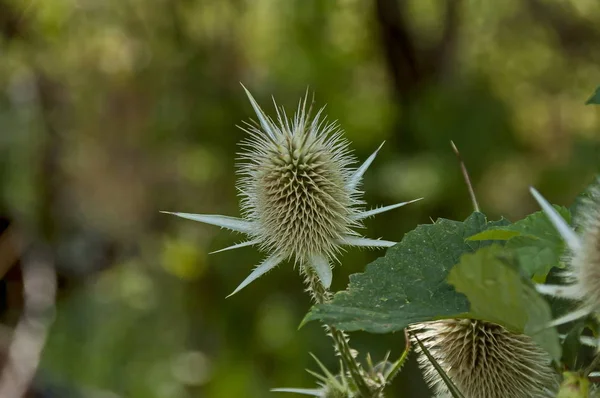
(465, 291)
(300, 201)
(300, 195)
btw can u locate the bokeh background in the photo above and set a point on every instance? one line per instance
(113, 110)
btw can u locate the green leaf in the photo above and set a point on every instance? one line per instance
(498, 293)
(534, 240)
(536, 256)
(535, 225)
(494, 234)
(408, 285)
(595, 98)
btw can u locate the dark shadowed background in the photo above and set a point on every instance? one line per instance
(113, 110)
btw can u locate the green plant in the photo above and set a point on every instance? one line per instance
(470, 294)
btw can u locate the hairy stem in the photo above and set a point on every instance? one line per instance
(400, 362)
(321, 295)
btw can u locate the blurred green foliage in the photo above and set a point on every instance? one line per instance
(113, 110)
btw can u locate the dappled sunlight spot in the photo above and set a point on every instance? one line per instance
(52, 16)
(263, 29)
(105, 286)
(101, 394)
(420, 174)
(182, 259)
(170, 390)
(107, 188)
(137, 289)
(425, 18)
(345, 28)
(199, 164)
(208, 20)
(192, 368)
(21, 87)
(116, 52)
(127, 283)
(504, 185)
(162, 381)
(276, 324)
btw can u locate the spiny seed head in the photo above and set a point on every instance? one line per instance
(295, 185)
(584, 269)
(484, 360)
(300, 197)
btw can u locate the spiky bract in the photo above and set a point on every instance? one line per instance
(582, 275)
(484, 360)
(584, 267)
(295, 186)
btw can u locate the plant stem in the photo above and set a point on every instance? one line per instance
(320, 295)
(466, 177)
(400, 362)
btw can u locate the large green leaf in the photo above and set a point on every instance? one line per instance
(408, 285)
(498, 293)
(534, 240)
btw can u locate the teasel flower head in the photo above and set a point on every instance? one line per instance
(582, 274)
(484, 360)
(330, 385)
(300, 195)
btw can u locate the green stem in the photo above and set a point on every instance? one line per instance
(400, 362)
(321, 295)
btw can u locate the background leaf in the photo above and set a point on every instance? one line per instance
(534, 240)
(408, 285)
(498, 293)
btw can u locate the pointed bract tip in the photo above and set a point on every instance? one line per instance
(564, 229)
(304, 321)
(267, 265)
(262, 117)
(303, 391)
(358, 173)
(453, 145)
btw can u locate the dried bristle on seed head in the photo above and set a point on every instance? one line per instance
(295, 185)
(484, 360)
(584, 267)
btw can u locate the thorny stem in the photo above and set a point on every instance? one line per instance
(321, 295)
(400, 362)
